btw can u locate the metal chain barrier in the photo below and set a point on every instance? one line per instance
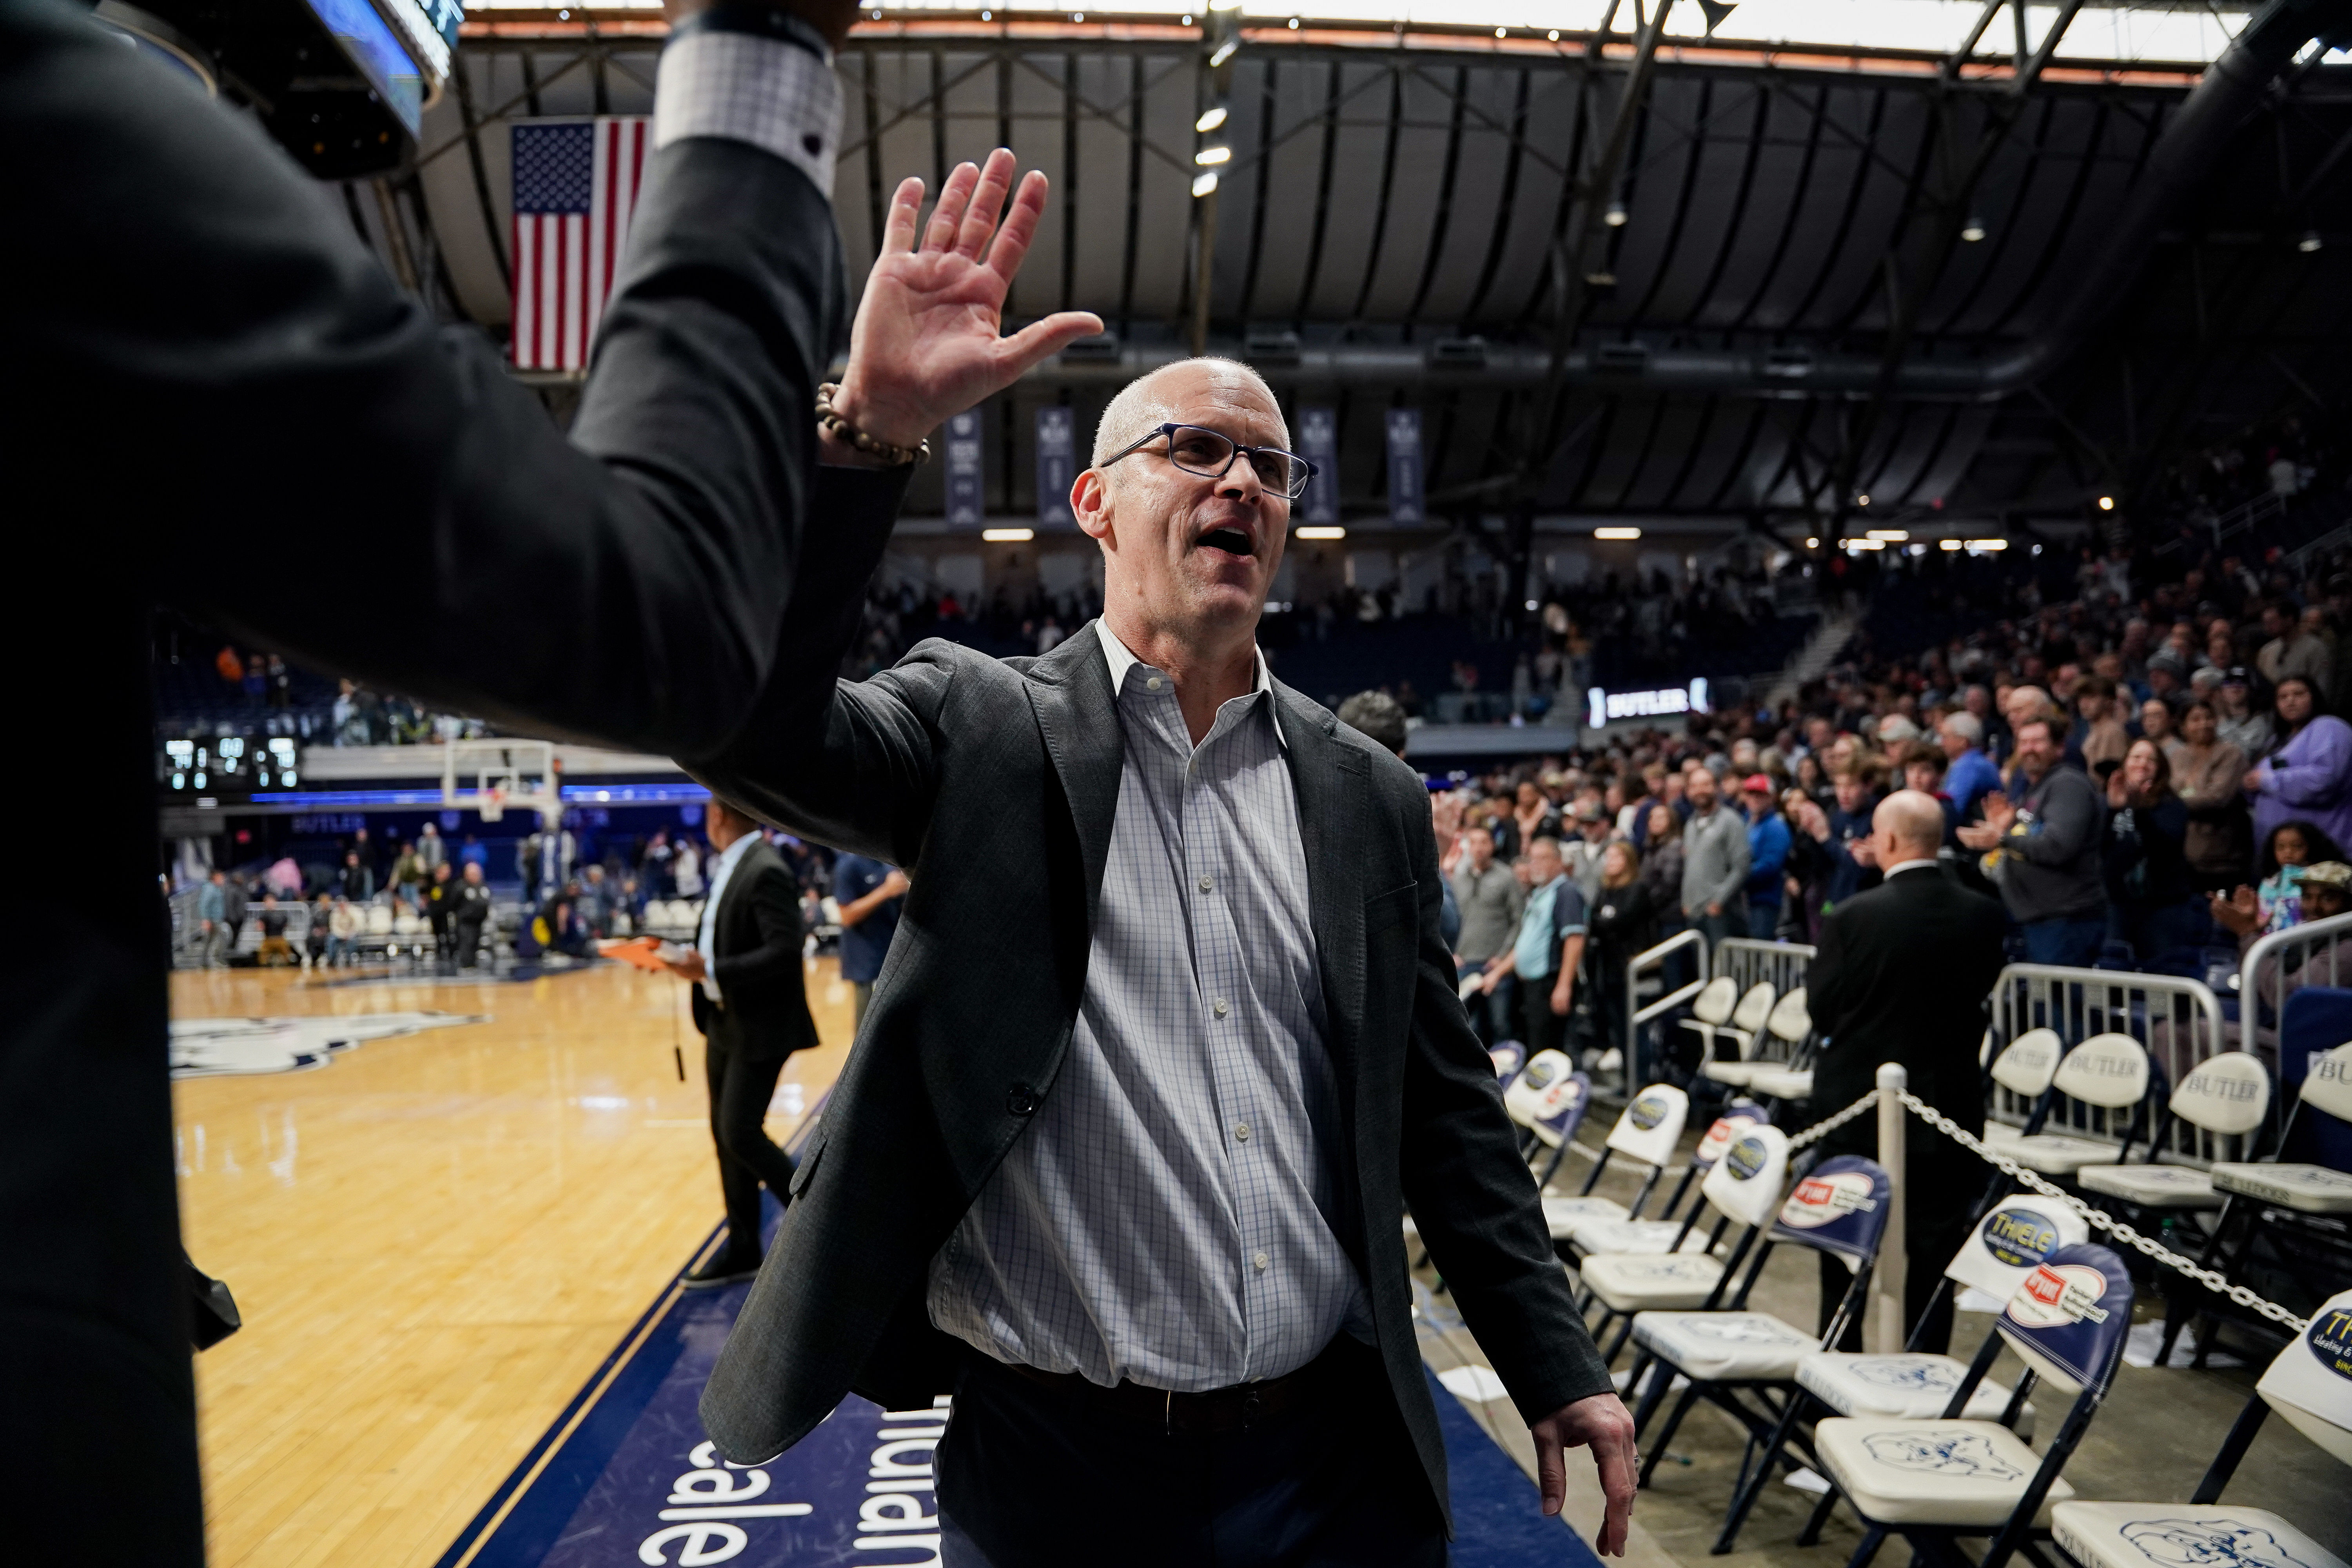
(2099, 1219)
(1820, 1130)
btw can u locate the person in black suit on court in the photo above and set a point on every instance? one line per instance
(751, 1005)
(272, 398)
(1902, 975)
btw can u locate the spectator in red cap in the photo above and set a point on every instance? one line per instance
(1768, 855)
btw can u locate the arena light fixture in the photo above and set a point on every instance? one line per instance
(1213, 155)
(1949, 544)
(1862, 500)
(2309, 242)
(1224, 52)
(1863, 543)
(1991, 544)
(2106, 503)
(1553, 35)
(1211, 121)
(1322, 530)
(1813, 544)
(1895, 534)
(1207, 185)
(1616, 534)
(1008, 535)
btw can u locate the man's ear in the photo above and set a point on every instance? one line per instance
(1090, 503)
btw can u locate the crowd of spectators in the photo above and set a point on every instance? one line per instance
(2148, 776)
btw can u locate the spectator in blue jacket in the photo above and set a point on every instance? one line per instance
(871, 896)
(1968, 773)
(1767, 853)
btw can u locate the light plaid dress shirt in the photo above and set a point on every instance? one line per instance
(1170, 1216)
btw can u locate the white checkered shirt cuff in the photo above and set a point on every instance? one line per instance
(775, 95)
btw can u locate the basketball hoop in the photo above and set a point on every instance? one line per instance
(492, 804)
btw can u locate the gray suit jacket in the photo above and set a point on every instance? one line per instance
(995, 783)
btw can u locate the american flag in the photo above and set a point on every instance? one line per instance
(575, 185)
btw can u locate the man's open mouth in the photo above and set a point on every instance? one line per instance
(1231, 540)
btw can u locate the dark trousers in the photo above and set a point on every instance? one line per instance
(1035, 1476)
(1541, 1028)
(469, 939)
(2072, 942)
(1935, 1210)
(741, 1084)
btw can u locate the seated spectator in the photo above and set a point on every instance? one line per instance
(343, 929)
(2151, 894)
(2208, 774)
(2309, 777)
(2326, 893)
(2277, 904)
(276, 953)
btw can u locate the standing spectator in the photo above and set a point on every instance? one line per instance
(212, 934)
(656, 865)
(233, 908)
(872, 895)
(1531, 817)
(2098, 735)
(357, 882)
(1968, 773)
(473, 852)
(1768, 853)
(2156, 723)
(2151, 893)
(2291, 848)
(2048, 844)
(2292, 650)
(1549, 948)
(686, 867)
(2309, 777)
(314, 940)
(545, 860)
(1714, 863)
(2237, 722)
(1623, 919)
(1581, 855)
(431, 847)
(1491, 900)
(343, 929)
(407, 876)
(469, 913)
(2207, 775)
(1662, 867)
(594, 903)
(439, 897)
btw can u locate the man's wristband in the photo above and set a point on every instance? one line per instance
(757, 20)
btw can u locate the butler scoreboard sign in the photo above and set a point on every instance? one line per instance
(1609, 706)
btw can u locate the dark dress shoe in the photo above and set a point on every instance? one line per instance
(722, 1269)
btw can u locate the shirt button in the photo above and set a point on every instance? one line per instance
(1207, 883)
(1259, 1258)
(1240, 1133)
(1220, 1009)
(1020, 1101)
(1152, 684)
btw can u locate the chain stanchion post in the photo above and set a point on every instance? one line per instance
(1886, 1329)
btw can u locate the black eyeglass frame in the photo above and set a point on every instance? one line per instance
(1168, 432)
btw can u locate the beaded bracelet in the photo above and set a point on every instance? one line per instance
(897, 456)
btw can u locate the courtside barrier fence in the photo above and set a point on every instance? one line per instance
(2179, 1022)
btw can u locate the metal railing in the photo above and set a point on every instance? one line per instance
(2283, 962)
(1780, 964)
(2178, 1021)
(1653, 961)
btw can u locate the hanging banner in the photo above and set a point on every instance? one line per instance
(1319, 443)
(966, 500)
(1056, 466)
(1404, 465)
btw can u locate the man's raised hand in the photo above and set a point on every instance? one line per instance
(926, 343)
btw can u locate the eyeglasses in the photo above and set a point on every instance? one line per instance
(1205, 452)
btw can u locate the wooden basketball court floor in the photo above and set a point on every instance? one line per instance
(435, 1238)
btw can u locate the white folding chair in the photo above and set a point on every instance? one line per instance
(2108, 1073)
(1790, 1079)
(1710, 1010)
(2227, 1096)
(2306, 1384)
(1735, 1356)
(1646, 1131)
(1548, 1098)
(1508, 1057)
(379, 919)
(2025, 1067)
(1598, 1235)
(1744, 1027)
(2006, 1246)
(1936, 1481)
(1744, 1189)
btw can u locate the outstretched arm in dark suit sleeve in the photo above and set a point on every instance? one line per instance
(776, 912)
